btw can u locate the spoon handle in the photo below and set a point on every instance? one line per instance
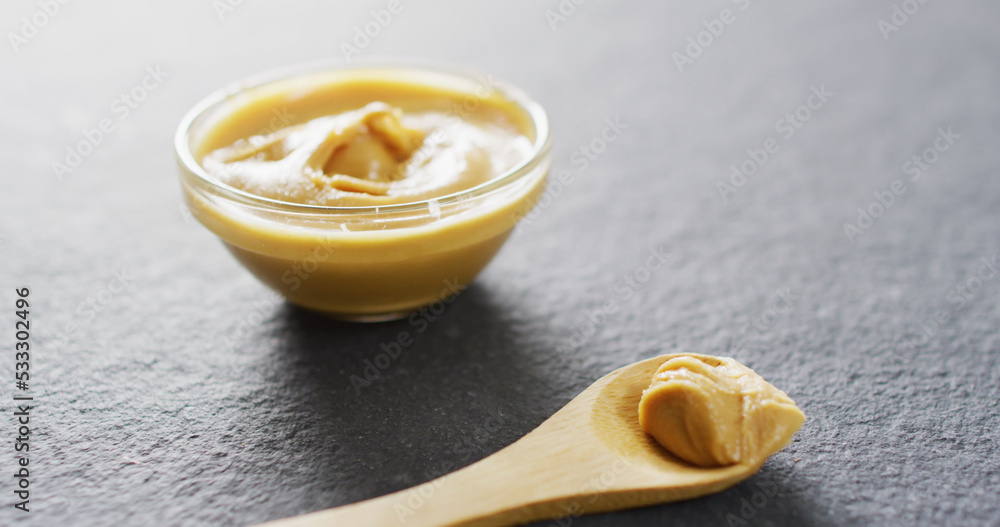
(488, 492)
(537, 477)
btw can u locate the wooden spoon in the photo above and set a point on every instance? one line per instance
(591, 456)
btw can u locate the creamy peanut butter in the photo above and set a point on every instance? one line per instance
(409, 163)
(375, 155)
(713, 411)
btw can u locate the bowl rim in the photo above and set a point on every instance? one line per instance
(182, 138)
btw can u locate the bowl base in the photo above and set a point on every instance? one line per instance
(372, 318)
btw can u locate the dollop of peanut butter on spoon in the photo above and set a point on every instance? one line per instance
(714, 412)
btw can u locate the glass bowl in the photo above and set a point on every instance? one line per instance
(363, 263)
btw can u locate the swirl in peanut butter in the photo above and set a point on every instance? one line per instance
(375, 155)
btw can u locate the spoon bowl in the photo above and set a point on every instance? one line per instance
(591, 456)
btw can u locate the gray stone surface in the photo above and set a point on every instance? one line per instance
(193, 398)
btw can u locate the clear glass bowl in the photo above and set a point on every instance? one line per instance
(363, 263)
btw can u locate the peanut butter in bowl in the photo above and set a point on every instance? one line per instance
(385, 189)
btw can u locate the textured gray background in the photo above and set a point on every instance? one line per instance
(193, 398)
